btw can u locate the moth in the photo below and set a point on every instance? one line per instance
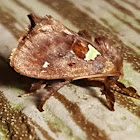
(56, 55)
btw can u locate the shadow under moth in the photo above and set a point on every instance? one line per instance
(56, 55)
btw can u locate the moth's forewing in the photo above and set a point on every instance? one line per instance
(52, 51)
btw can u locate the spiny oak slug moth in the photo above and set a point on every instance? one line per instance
(57, 56)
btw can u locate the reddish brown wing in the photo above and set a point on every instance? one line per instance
(52, 51)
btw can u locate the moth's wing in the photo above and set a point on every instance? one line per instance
(52, 51)
(44, 52)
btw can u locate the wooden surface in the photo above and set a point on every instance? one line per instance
(75, 113)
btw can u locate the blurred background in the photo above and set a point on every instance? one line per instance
(76, 112)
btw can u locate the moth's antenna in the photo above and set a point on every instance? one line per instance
(32, 20)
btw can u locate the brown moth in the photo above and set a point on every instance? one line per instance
(57, 56)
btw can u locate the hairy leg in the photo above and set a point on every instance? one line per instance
(128, 91)
(51, 88)
(109, 97)
(105, 85)
(35, 87)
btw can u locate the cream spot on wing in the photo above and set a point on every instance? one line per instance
(107, 46)
(72, 51)
(92, 53)
(46, 64)
(43, 71)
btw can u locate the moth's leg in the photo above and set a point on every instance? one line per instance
(52, 87)
(128, 91)
(35, 87)
(109, 96)
(109, 82)
(105, 84)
